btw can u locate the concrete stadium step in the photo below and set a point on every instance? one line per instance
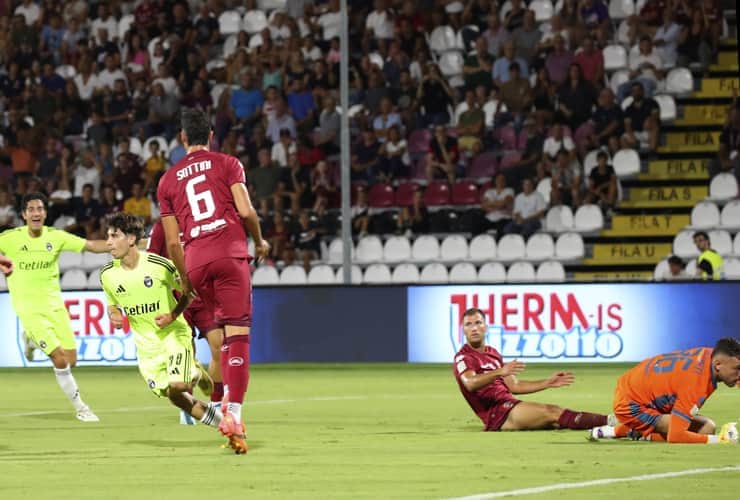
(688, 168)
(612, 276)
(718, 87)
(627, 253)
(646, 225)
(698, 115)
(664, 196)
(690, 142)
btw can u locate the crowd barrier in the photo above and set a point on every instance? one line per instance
(566, 323)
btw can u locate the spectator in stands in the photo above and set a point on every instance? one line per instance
(434, 95)
(558, 61)
(676, 270)
(531, 158)
(306, 239)
(566, 180)
(365, 155)
(544, 95)
(108, 202)
(302, 105)
(478, 66)
(554, 144)
(394, 160)
(443, 155)
(155, 163)
(327, 134)
(7, 211)
(645, 67)
(86, 211)
(279, 121)
(607, 123)
(527, 38)
(602, 184)
(281, 246)
(322, 186)
(502, 66)
(693, 46)
(594, 14)
(641, 121)
(163, 112)
(282, 149)
(263, 183)
(709, 262)
(665, 39)
(515, 17)
(360, 212)
(576, 98)
(471, 125)
(529, 210)
(138, 203)
(516, 93)
(386, 119)
(87, 170)
(496, 35)
(380, 22)
(591, 61)
(728, 157)
(494, 109)
(556, 28)
(49, 161)
(650, 17)
(294, 184)
(247, 101)
(414, 219)
(497, 202)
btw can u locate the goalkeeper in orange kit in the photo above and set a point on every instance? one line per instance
(659, 399)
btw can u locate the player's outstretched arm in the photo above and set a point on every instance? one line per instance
(250, 219)
(174, 248)
(115, 316)
(163, 320)
(474, 381)
(96, 246)
(559, 379)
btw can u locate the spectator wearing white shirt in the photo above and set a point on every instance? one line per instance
(385, 120)
(394, 158)
(282, 149)
(168, 82)
(529, 209)
(676, 270)
(86, 81)
(666, 39)
(330, 21)
(30, 11)
(310, 51)
(107, 78)
(87, 171)
(493, 107)
(556, 142)
(646, 68)
(381, 21)
(104, 21)
(7, 212)
(497, 202)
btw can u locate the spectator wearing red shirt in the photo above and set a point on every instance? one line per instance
(591, 61)
(443, 155)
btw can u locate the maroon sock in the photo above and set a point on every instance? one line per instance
(218, 392)
(570, 419)
(225, 364)
(237, 367)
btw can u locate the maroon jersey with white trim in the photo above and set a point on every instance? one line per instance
(485, 398)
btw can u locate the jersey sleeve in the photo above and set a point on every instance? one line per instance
(687, 404)
(165, 205)
(234, 173)
(104, 283)
(70, 242)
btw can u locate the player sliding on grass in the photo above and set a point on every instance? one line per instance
(204, 197)
(659, 399)
(488, 385)
(139, 285)
(33, 280)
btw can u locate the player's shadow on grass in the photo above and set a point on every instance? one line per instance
(190, 443)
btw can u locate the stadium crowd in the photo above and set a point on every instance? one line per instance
(445, 94)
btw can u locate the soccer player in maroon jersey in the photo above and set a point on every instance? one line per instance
(198, 315)
(488, 385)
(204, 196)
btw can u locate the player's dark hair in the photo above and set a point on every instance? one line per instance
(675, 259)
(729, 346)
(28, 197)
(127, 223)
(701, 233)
(195, 124)
(473, 311)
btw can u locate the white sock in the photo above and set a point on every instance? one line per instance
(67, 382)
(607, 431)
(236, 410)
(212, 416)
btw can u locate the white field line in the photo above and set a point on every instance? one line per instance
(596, 482)
(166, 407)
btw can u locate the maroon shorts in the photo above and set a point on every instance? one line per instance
(225, 286)
(200, 316)
(499, 413)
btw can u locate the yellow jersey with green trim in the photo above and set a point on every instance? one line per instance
(34, 283)
(142, 294)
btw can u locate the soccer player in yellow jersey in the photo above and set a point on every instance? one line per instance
(139, 284)
(33, 282)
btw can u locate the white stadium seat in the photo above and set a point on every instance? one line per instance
(679, 81)
(626, 163)
(723, 187)
(683, 245)
(543, 10)
(511, 247)
(731, 268)
(265, 275)
(124, 25)
(569, 247)
(540, 246)
(544, 187)
(667, 106)
(691, 268)
(254, 21)
(454, 248)
(271, 5)
(559, 219)
(369, 249)
(463, 272)
(405, 273)
(66, 71)
(230, 45)
(336, 253)
(355, 275)
(520, 272)
(433, 273)
(377, 274)
(551, 272)
(615, 57)
(293, 275)
(442, 39)
(74, 279)
(730, 217)
(425, 249)
(163, 146)
(661, 270)
(492, 272)
(721, 241)
(482, 248)
(92, 261)
(397, 249)
(736, 245)
(93, 280)
(229, 22)
(705, 215)
(618, 78)
(589, 218)
(621, 9)
(591, 161)
(69, 260)
(321, 275)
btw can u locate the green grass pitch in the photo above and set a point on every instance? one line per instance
(331, 431)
